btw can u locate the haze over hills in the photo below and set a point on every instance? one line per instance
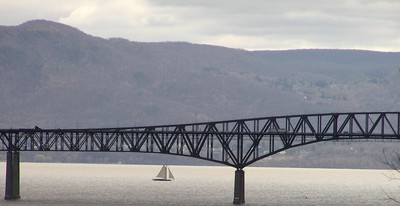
(55, 76)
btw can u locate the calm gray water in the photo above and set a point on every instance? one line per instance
(99, 184)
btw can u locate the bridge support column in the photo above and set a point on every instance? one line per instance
(239, 187)
(12, 176)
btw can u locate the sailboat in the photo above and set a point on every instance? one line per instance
(165, 174)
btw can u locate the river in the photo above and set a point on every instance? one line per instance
(119, 184)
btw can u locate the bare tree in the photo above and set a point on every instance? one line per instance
(392, 160)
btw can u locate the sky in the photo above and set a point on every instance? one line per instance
(244, 24)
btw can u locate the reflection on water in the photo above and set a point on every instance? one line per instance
(99, 184)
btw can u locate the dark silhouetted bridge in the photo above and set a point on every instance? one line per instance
(236, 143)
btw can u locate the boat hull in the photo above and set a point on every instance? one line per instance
(155, 179)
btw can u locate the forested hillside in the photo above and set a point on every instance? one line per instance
(55, 76)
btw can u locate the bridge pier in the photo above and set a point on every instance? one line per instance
(12, 176)
(239, 187)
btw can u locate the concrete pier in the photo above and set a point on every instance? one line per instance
(12, 176)
(239, 187)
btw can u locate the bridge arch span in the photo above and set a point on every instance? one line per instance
(236, 143)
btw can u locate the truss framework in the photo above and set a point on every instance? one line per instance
(237, 143)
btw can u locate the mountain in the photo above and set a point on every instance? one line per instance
(55, 76)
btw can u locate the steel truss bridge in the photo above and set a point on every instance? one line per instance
(235, 143)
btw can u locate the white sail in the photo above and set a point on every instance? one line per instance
(165, 174)
(170, 175)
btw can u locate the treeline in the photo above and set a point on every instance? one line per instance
(352, 155)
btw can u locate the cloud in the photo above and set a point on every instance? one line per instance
(296, 24)
(17, 12)
(256, 24)
(133, 19)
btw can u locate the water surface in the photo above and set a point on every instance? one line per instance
(106, 184)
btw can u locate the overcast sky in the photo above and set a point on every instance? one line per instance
(246, 24)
